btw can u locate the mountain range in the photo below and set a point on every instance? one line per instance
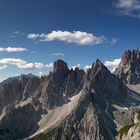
(71, 104)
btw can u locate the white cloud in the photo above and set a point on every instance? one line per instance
(111, 65)
(3, 67)
(75, 66)
(128, 7)
(22, 64)
(77, 37)
(57, 54)
(33, 36)
(87, 67)
(49, 65)
(12, 49)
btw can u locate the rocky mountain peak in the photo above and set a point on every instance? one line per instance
(60, 66)
(130, 56)
(97, 67)
(129, 68)
(59, 84)
(59, 74)
(126, 57)
(105, 85)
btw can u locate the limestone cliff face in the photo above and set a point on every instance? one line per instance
(129, 68)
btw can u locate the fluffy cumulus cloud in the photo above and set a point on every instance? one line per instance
(33, 36)
(128, 7)
(22, 64)
(77, 37)
(111, 65)
(12, 49)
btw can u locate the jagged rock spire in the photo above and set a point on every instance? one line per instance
(129, 68)
(104, 84)
(60, 65)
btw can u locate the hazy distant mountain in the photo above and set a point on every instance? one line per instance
(69, 104)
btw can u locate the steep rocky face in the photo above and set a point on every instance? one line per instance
(130, 131)
(12, 91)
(93, 117)
(24, 98)
(17, 123)
(58, 85)
(59, 74)
(74, 81)
(129, 68)
(17, 113)
(105, 85)
(50, 91)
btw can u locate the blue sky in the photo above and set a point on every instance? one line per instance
(35, 33)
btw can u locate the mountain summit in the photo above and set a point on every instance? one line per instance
(129, 68)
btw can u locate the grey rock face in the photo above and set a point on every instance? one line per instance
(60, 72)
(93, 118)
(131, 131)
(93, 115)
(18, 122)
(73, 81)
(59, 83)
(105, 85)
(24, 98)
(16, 90)
(129, 68)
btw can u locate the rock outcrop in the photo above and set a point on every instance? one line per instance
(129, 68)
(14, 90)
(74, 81)
(105, 85)
(130, 131)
